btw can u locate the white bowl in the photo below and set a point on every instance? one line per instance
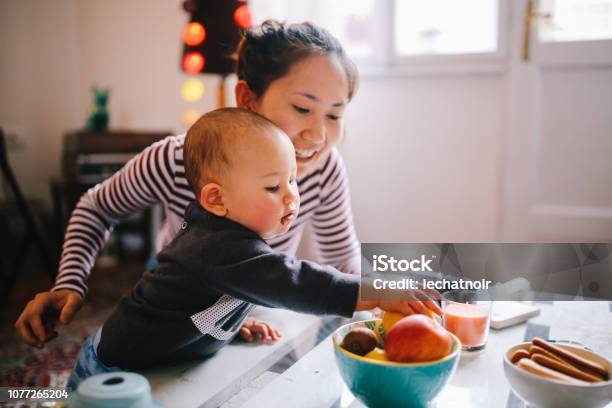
(537, 391)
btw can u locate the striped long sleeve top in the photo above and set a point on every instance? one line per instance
(157, 175)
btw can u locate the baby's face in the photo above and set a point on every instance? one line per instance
(260, 188)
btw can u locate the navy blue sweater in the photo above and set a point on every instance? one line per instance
(208, 279)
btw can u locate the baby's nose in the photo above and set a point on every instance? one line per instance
(289, 199)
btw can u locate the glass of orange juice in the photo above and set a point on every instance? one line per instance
(466, 314)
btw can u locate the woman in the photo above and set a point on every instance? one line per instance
(296, 75)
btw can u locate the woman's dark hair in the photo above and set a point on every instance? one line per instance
(267, 52)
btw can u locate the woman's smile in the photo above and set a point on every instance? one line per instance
(305, 154)
(304, 157)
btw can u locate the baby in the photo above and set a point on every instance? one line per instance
(242, 170)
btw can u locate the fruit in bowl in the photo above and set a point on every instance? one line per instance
(417, 338)
(377, 354)
(360, 340)
(379, 382)
(388, 320)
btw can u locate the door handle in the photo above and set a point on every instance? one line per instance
(531, 15)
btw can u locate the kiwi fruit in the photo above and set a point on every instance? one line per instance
(359, 340)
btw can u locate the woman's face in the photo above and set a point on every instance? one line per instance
(308, 104)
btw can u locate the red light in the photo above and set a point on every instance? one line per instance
(193, 62)
(194, 34)
(242, 17)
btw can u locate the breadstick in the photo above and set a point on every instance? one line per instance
(518, 354)
(565, 354)
(539, 350)
(536, 350)
(564, 368)
(537, 369)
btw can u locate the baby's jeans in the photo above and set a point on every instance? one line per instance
(88, 363)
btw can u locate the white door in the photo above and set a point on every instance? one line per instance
(558, 148)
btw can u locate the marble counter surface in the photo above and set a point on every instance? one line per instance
(300, 370)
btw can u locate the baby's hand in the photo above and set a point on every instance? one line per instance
(256, 330)
(423, 301)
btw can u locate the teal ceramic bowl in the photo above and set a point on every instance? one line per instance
(390, 384)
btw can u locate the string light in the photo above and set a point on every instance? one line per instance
(193, 62)
(206, 45)
(242, 17)
(194, 34)
(192, 90)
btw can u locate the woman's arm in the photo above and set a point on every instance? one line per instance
(332, 222)
(144, 181)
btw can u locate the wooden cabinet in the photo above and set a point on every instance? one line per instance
(88, 158)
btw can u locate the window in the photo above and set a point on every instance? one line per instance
(351, 21)
(576, 20)
(396, 32)
(445, 26)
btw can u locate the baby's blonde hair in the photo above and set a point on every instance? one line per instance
(210, 139)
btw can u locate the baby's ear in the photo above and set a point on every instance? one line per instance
(211, 198)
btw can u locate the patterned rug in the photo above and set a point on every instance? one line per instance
(22, 365)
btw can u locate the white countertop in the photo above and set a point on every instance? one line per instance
(255, 375)
(212, 381)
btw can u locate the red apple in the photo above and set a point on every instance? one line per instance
(417, 338)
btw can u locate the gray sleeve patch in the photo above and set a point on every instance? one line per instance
(210, 321)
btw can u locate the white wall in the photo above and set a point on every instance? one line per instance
(39, 77)
(424, 156)
(135, 47)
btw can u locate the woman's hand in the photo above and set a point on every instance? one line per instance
(36, 325)
(256, 330)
